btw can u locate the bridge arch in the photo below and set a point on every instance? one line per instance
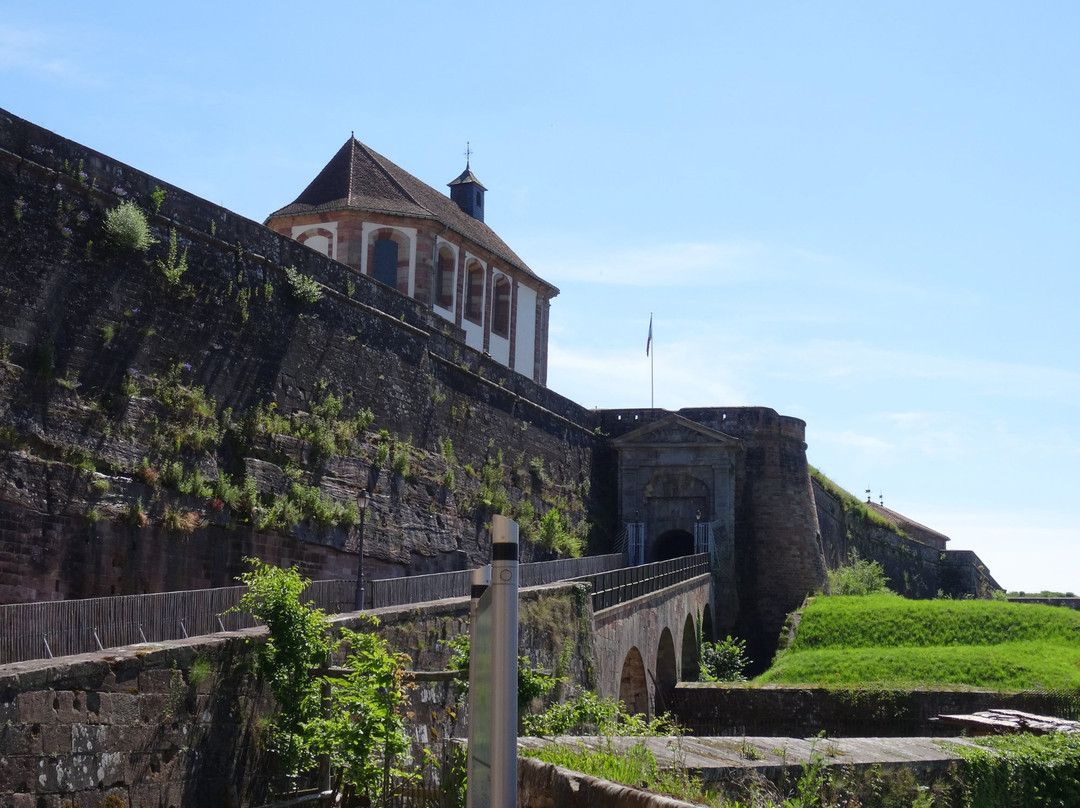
(667, 672)
(707, 634)
(633, 688)
(691, 654)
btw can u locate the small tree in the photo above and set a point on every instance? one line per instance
(361, 726)
(858, 577)
(724, 661)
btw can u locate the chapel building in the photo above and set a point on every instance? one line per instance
(383, 222)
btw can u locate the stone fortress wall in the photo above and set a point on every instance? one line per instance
(80, 319)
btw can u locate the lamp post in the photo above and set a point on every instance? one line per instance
(362, 500)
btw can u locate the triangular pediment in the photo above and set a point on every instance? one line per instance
(675, 430)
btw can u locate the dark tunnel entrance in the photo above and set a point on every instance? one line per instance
(672, 544)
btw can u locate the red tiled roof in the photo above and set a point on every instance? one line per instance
(357, 178)
(912, 528)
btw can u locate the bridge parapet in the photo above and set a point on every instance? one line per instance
(612, 588)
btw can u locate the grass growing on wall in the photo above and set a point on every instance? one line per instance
(853, 507)
(886, 640)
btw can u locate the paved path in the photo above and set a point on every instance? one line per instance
(722, 758)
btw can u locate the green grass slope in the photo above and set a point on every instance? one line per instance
(889, 641)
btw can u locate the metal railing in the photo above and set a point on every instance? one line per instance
(63, 627)
(440, 585)
(618, 586)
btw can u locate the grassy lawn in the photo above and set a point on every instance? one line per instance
(887, 640)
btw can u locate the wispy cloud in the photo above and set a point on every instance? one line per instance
(865, 363)
(668, 265)
(39, 54)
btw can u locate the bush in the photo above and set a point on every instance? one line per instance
(554, 533)
(724, 661)
(304, 288)
(362, 729)
(127, 228)
(858, 577)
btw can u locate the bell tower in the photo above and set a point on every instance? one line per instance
(467, 191)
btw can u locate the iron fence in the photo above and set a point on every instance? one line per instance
(618, 586)
(440, 585)
(64, 627)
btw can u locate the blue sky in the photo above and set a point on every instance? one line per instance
(859, 214)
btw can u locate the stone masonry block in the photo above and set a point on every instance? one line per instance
(145, 795)
(9, 710)
(36, 707)
(118, 708)
(157, 680)
(128, 738)
(87, 739)
(14, 740)
(52, 739)
(22, 801)
(17, 772)
(68, 772)
(154, 706)
(70, 706)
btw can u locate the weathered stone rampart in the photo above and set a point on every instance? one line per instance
(915, 569)
(89, 329)
(81, 320)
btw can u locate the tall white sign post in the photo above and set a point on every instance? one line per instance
(493, 677)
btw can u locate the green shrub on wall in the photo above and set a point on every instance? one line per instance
(127, 228)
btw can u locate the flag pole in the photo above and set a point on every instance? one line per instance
(652, 367)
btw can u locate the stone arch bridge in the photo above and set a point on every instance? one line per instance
(646, 624)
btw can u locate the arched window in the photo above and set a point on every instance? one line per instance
(444, 278)
(318, 238)
(500, 314)
(386, 262)
(474, 301)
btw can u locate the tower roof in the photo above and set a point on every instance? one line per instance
(467, 177)
(359, 178)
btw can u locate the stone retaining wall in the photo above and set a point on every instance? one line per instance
(786, 710)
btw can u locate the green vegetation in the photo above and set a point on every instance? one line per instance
(555, 533)
(360, 725)
(127, 228)
(304, 289)
(625, 763)
(853, 508)
(724, 661)
(884, 640)
(493, 494)
(157, 196)
(177, 520)
(619, 757)
(173, 267)
(858, 577)
(323, 428)
(192, 422)
(1023, 770)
